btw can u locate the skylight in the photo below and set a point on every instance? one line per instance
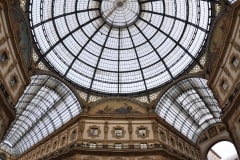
(119, 46)
(46, 105)
(190, 107)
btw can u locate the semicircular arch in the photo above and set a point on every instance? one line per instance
(184, 103)
(43, 98)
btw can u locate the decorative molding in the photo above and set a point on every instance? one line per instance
(173, 141)
(234, 62)
(90, 158)
(130, 127)
(63, 140)
(163, 135)
(142, 132)
(3, 39)
(82, 126)
(73, 134)
(227, 72)
(93, 131)
(4, 57)
(125, 109)
(118, 132)
(186, 148)
(58, 148)
(223, 85)
(180, 145)
(13, 82)
(236, 45)
(48, 148)
(55, 144)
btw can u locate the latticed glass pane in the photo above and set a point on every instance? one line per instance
(190, 107)
(120, 46)
(46, 105)
(232, 1)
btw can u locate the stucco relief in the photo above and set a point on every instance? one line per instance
(117, 107)
(217, 40)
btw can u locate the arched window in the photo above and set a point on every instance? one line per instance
(222, 150)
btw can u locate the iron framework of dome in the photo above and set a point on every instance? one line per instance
(119, 46)
(46, 105)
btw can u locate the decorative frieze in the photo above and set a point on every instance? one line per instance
(141, 138)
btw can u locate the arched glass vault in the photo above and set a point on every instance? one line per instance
(119, 46)
(232, 1)
(46, 105)
(190, 107)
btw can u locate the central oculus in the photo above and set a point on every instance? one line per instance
(120, 13)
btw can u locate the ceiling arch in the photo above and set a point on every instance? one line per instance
(46, 105)
(189, 106)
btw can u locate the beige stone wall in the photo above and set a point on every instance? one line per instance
(115, 129)
(4, 121)
(226, 77)
(79, 137)
(211, 136)
(11, 69)
(153, 157)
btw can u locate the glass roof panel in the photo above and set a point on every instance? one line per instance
(190, 107)
(232, 1)
(117, 46)
(46, 105)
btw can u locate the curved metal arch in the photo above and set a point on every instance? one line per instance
(20, 123)
(171, 107)
(200, 75)
(65, 103)
(31, 126)
(231, 1)
(64, 81)
(32, 112)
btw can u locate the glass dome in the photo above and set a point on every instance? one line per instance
(119, 46)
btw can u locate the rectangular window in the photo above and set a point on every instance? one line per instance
(92, 145)
(118, 132)
(143, 145)
(94, 131)
(118, 146)
(143, 132)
